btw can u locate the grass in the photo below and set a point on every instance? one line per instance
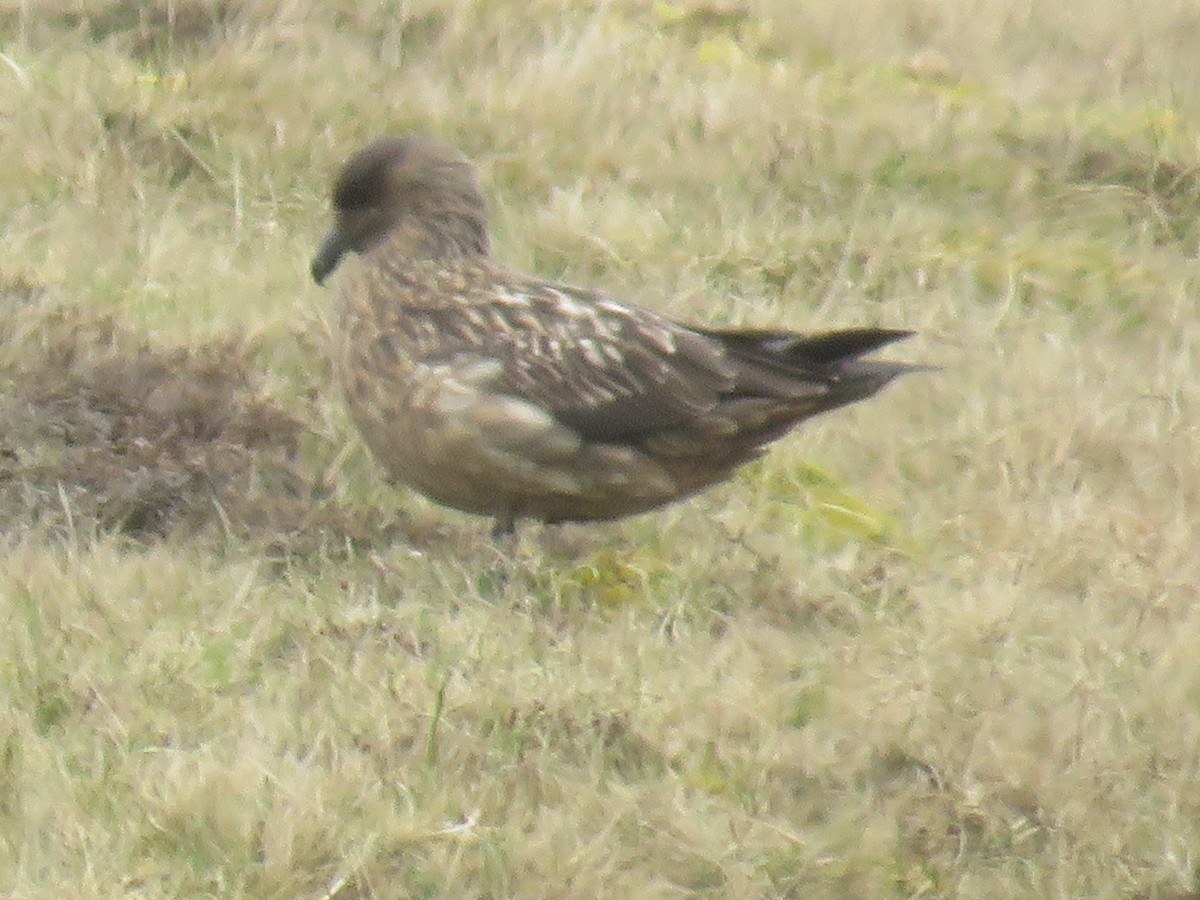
(940, 644)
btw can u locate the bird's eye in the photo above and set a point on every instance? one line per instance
(356, 193)
(367, 175)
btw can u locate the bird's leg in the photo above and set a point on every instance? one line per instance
(504, 545)
(504, 528)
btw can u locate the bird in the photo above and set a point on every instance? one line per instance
(516, 397)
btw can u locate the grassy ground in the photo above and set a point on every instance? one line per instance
(941, 644)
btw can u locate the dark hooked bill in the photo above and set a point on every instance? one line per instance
(329, 254)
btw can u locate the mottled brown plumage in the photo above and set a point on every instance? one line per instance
(511, 396)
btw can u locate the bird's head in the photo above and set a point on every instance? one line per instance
(418, 187)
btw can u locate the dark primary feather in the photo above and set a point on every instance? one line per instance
(633, 409)
(784, 364)
(811, 350)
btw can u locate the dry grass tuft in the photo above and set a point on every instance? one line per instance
(108, 432)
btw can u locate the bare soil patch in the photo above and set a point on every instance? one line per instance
(107, 430)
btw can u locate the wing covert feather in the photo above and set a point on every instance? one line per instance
(608, 371)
